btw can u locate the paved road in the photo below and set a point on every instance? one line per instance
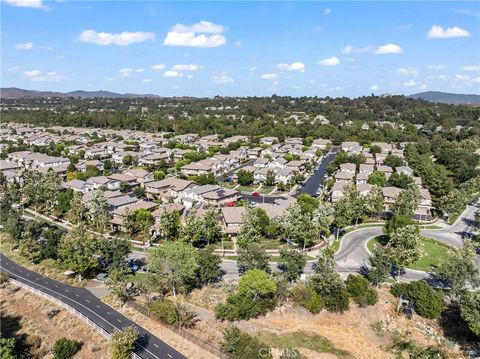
(148, 346)
(317, 178)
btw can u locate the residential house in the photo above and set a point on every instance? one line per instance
(232, 219)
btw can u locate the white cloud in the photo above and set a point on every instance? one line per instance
(253, 69)
(349, 49)
(410, 83)
(269, 76)
(146, 80)
(157, 67)
(237, 44)
(128, 72)
(222, 79)
(327, 11)
(295, 66)
(14, 68)
(331, 61)
(24, 46)
(195, 35)
(438, 32)
(423, 87)
(471, 68)
(466, 79)
(407, 72)
(171, 73)
(436, 67)
(189, 67)
(36, 4)
(442, 77)
(388, 49)
(32, 73)
(375, 87)
(121, 39)
(476, 80)
(38, 76)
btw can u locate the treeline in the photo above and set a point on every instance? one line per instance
(266, 116)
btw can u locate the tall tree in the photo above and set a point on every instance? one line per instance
(175, 265)
(407, 201)
(77, 211)
(169, 227)
(97, 211)
(403, 246)
(459, 269)
(122, 343)
(292, 264)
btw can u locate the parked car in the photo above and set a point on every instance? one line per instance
(255, 194)
(230, 204)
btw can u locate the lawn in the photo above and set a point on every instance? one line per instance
(434, 253)
(266, 189)
(301, 339)
(248, 189)
(227, 184)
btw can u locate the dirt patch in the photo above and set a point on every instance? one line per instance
(25, 316)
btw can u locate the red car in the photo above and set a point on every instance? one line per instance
(255, 194)
(230, 204)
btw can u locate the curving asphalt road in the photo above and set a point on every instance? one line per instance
(353, 252)
(147, 347)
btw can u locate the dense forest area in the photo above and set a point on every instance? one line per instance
(255, 116)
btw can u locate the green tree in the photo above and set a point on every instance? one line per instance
(396, 222)
(393, 161)
(117, 282)
(399, 180)
(128, 160)
(41, 189)
(63, 201)
(427, 301)
(252, 257)
(373, 203)
(308, 204)
(291, 264)
(29, 247)
(377, 178)
(97, 211)
(140, 221)
(169, 227)
(79, 251)
(380, 266)
(459, 269)
(403, 246)
(209, 270)
(407, 201)
(470, 311)
(375, 149)
(245, 178)
(159, 175)
(65, 348)
(175, 265)
(77, 212)
(270, 178)
(251, 231)
(257, 284)
(122, 343)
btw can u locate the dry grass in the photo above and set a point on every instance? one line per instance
(187, 348)
(24, 315)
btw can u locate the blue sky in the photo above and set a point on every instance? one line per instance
(241, 48)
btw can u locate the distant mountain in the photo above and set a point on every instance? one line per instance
(450, 98)
(13, 92)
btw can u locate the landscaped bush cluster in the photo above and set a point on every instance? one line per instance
(357, 287)
(427, 301)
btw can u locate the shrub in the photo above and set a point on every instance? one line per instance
(4, 277)
(241, 306)
(331, 290)
(306, 297)
(357, 285)
(241, 345)
(370, 297)
(427, 301)
(65, 348)
(172, 313)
